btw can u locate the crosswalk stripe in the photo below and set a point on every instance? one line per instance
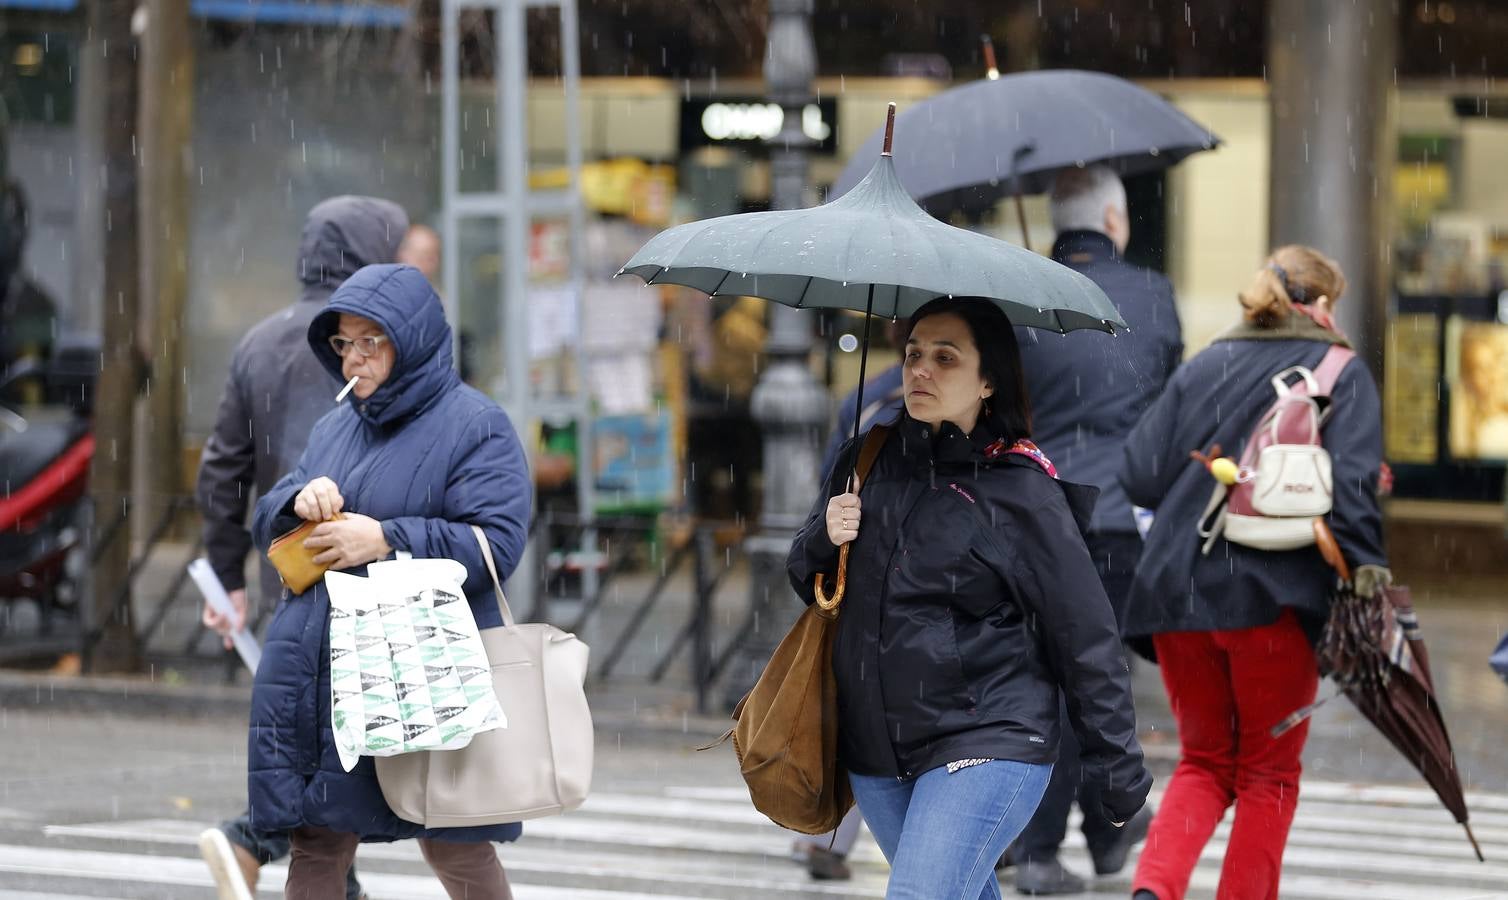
(1478, 802)
(521, 857)
(1348, 841)
(181, 871)
(734, 813)
(1321, 887)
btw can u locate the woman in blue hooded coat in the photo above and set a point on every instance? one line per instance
(413, 459)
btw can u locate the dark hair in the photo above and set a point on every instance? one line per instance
(1009, 409)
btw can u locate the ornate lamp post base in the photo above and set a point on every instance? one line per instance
(791, 408)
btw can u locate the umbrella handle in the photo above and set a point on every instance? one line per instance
(1024, 150)
(1324, 538)
(824, 602)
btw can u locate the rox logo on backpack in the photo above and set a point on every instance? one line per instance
(1284, 479)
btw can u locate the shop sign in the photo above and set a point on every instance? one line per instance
(752, 121)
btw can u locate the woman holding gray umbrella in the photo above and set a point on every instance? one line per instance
(971, 603)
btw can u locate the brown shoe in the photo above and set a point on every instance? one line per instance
(825, 865)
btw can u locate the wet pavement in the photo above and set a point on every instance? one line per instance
(103, 798)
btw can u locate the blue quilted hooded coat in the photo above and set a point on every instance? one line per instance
(426, 456)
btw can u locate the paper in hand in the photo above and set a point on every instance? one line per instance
(219, 601)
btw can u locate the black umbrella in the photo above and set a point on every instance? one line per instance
(968, 146)
(1373, 649)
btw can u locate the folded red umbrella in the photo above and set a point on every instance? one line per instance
(1373, 650)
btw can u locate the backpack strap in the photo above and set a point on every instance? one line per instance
(1327, 373)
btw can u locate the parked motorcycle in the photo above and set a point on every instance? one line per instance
(46, 447)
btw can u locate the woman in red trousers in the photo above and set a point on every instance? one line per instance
(1232, 627)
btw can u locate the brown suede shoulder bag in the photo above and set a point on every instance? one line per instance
(786, 731)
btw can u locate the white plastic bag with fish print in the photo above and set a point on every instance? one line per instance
(407, 668)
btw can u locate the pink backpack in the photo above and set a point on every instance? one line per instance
(1283, 482)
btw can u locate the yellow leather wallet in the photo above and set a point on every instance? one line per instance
(295, 562)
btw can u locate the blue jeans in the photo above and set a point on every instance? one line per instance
(943, 833)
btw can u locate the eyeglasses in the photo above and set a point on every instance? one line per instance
(366, 346)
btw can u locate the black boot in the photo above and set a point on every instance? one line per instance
(1046, 878)
(1112, 858)
(825, 865)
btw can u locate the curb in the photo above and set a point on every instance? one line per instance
(23, 691)
(148, 697)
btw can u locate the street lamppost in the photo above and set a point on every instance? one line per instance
(788, 403)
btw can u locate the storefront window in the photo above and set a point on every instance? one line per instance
(1447, 378)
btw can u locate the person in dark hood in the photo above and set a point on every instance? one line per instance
(971, 606)
(1088, 390)
(275, 391)
(412, 462)
(1233, 629)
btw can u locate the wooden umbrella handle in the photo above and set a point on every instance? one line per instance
(824, 602)
(889, 129)
(1324, 538)
(869, 450)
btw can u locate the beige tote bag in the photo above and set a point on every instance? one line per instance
(540, 765)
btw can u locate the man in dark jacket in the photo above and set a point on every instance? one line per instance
(275, 392)
(1087, 392)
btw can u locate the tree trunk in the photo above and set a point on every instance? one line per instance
(115, 648)
(167, 103)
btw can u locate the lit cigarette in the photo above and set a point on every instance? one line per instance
(347, 389)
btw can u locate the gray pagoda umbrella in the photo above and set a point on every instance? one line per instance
(971, 145)
(872, 251)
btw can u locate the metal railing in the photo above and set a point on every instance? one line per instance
(684, 550)
(708, 571)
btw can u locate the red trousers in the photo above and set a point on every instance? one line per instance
(1227, 689)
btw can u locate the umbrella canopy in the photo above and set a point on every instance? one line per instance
(872, 250)
(1373, 650)
(960, 148)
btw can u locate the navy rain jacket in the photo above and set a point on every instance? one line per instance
(1088, 388)
(428, 457)
(1217, 398)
